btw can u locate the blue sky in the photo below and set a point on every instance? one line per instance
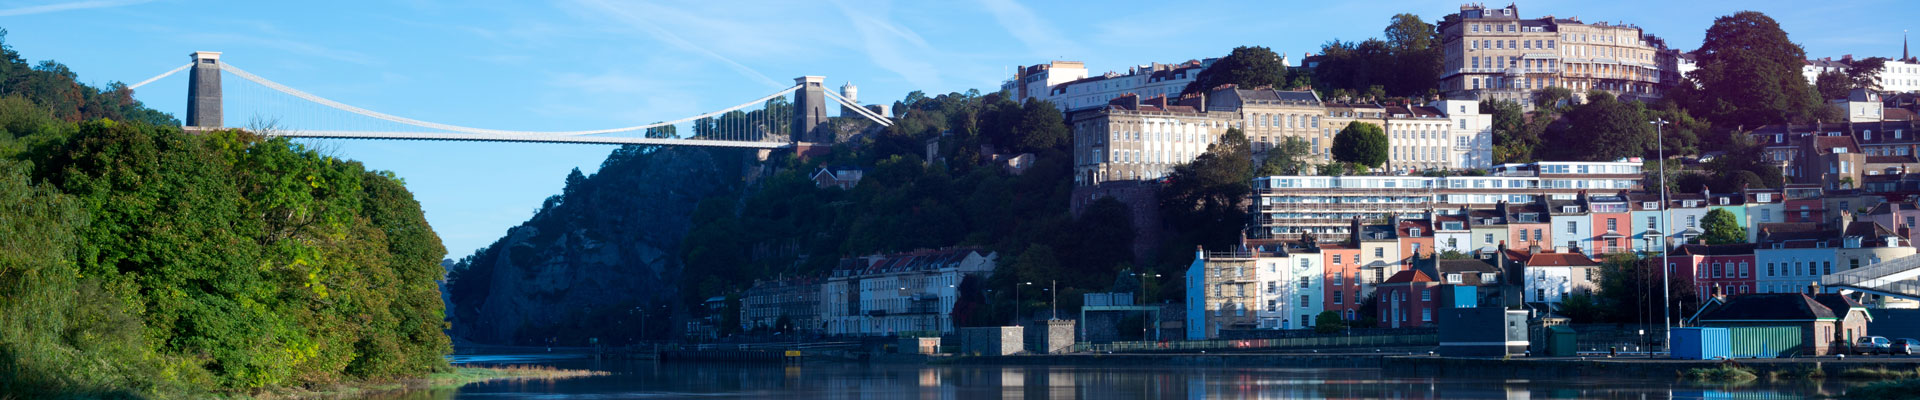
(589, 64)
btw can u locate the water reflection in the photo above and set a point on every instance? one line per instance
(642, 379)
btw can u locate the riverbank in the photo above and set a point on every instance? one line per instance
(1419, 364)
(459, 376)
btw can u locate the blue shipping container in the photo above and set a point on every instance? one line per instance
(1702, 343)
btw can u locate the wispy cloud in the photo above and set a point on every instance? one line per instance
(647, 25)
(68, 6)
(892, 46)
(1027, 27)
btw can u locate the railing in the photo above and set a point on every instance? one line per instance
(1424, 339)
(1876, 276)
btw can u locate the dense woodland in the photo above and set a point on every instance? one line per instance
(140, 261)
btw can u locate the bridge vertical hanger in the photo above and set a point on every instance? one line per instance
(203, 91)
(810, 102)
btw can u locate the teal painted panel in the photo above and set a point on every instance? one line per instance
(1765, 341)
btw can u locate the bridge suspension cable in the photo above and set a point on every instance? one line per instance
(857, 109)
(456, 128)
(160, 76)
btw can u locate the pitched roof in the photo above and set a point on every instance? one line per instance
(1408, 276)
(1469, 265)
(1551, 259)
(1736, 249)
(1769, 307)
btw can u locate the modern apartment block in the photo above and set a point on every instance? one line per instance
(1493, 53)
(1289, 206)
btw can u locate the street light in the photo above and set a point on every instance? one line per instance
(1666, 293)
(1143, 301)
(1016, 301)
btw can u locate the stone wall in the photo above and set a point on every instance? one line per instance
(1050, 337)
(992, 341)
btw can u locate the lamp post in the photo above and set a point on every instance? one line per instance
(1143, 301)
(1017, 301)
(1053, 306)
(1666, 293)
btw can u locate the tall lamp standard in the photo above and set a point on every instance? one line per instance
(1666, 293)
(1143, 301)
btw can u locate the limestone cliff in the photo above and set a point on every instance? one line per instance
(599, 260)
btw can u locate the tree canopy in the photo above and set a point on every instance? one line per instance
(1406, 63)
(1290, 157)
(1749, 74)
(1246, 66)
(1361, 143)
(1723, 228)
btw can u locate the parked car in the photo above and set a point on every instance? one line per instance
(1873, 345)
(1905, 346)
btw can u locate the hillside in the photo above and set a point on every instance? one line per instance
(137, 260)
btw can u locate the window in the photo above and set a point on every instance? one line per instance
(1337, 297)
(1426, 315)
(1379, 252)
(1453, 278)
(1613, 225)
(1304, 301)
(1426, 295)
(1303, 282)
(1489, 238)
(1336, 259)
(1826, 268)
(1743, 269)
(1539, 294)
(1572, 228)
(1690, 221)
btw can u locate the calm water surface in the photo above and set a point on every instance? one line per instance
(647, 379)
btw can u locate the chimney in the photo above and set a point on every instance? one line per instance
(1813, 288)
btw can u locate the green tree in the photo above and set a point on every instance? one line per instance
(1246, 67)
(1204, 200)
(1417, 61)
(1361, 143)
(1833, 85)
(1605, 129)
(1512, 141)
(1865, 73)
(1329, 322)
(1723, 228)
(1289, 158)
(1749, 74)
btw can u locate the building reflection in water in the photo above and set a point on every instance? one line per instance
(910, 381)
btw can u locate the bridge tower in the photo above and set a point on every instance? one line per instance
(203, 90)
(809, 108)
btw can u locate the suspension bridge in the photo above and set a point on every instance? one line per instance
(766, 122)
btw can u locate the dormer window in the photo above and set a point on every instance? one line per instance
(1852, 242)
(1765, 197)
(1415, 232)
(1724, 201)
(1820, 244)
(1690, 203)
(1649, 205)
(1570, 209)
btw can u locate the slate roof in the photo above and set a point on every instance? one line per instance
(1716, 250)
(1770, 306)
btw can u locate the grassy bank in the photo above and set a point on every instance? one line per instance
(1721, 374)
(459, 376)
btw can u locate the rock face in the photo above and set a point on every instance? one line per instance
(608, 245)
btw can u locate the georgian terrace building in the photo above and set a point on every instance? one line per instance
(1492, 53)
(1289, 206)
(1143, 138)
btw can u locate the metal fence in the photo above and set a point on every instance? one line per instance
(1427, 339)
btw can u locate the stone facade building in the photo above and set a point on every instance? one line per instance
(1493, 53)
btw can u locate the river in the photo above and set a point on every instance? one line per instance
(647, 379)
